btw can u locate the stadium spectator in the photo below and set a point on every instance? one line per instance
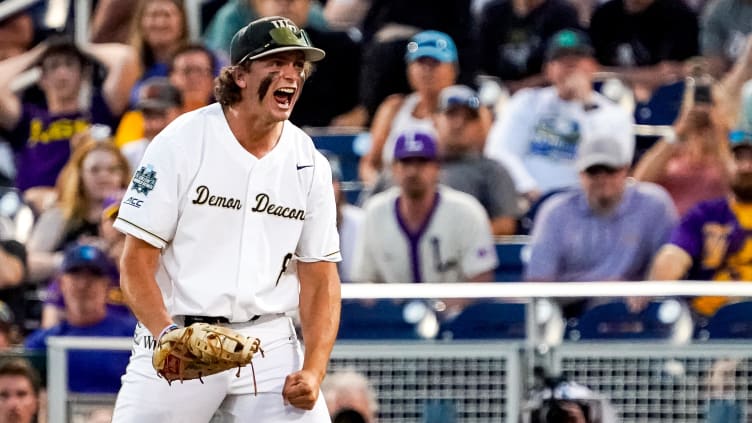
(724, 28)
(13, 270)
(159, 29)
(236, 14)
(387, 28)
(693, 162)
(463, 167)
(711, 241)
(608, 230)
(191, 71)
(40, 135)
(350, 390)
(410, 232)
(432, 65)
(111, 21)
(513, 35)
(544, 127)
(160, 103)
(335, 78)
(111, 241)
(737, 88)
(16, 34)
(96, 170)
(86, 274)
(631, 38)
(9, 331)
(20, 387)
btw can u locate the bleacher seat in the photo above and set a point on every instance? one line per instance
(487, 320)
(661, 109)
(732, 321)
(346, 148)
(511, 265)
(383, 319)
(660, 320)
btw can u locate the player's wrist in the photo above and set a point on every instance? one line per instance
(169, 328)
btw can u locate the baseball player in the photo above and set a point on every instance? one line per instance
(230, 219)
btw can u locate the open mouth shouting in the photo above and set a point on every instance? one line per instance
(283, 97)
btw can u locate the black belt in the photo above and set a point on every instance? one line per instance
(212, 320)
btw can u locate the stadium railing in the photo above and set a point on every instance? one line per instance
(651, 381)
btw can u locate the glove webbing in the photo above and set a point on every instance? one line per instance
(187, 334)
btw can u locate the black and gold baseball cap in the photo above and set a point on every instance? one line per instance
(271, 35)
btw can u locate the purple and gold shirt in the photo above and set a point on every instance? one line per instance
(717, 234)
(41, 140)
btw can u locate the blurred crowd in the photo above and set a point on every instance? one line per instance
(616, 133)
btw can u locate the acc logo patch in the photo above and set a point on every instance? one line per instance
(144, 179)
(135, 202)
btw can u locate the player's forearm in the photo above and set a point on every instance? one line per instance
(320, 301)
(140, 290)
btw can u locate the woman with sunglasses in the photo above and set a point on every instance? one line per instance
(692, 161)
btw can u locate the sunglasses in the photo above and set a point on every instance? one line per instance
(601, 169)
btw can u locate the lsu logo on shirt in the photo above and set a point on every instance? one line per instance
(57, 130)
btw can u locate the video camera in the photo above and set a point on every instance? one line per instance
(555, 399)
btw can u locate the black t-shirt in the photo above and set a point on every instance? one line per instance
(666, 30)
(332, 89)
(512, 47)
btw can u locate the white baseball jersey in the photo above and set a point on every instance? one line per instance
(231, 226)
(454, 245)
(543, 131)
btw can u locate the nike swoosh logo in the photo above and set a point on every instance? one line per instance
(303, 167)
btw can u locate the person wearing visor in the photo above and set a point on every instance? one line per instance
(231, 220)
(607, 230)
(432, 65)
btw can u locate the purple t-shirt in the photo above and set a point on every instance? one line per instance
(41, 141)
(720, 247)
(570, 244)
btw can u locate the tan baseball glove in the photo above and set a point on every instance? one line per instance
(202, 349)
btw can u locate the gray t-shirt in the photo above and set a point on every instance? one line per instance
(484, 179)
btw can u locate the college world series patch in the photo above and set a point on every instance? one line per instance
(144, 179)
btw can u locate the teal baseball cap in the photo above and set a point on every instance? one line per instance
(569, 42)
(433, 44)
(270, 35)
(740, 138)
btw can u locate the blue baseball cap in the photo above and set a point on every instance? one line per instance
(458, 96)
(740, 138)
(87, 257)
(415, 144)
(434, 44)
